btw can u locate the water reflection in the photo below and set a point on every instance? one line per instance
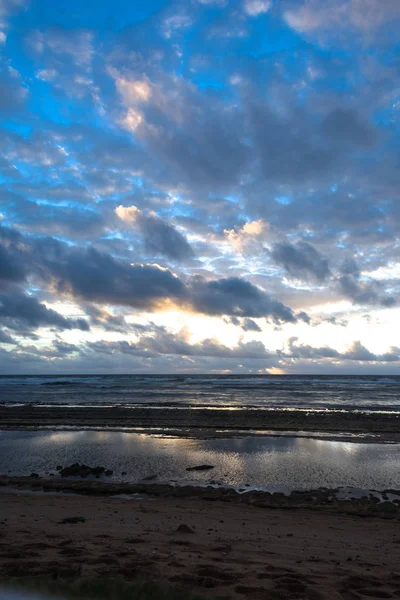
(260, 461)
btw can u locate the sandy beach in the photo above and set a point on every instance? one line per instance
(216, 548)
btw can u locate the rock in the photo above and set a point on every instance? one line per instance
(200, 468)
(149, 478)
(124, 473)
(183, 528)
(78, 470)
(58, 467)
(72, 520)
(34, 476)
(387, 507)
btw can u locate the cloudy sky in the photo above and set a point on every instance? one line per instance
(199, 186)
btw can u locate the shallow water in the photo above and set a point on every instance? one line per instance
(263, 462)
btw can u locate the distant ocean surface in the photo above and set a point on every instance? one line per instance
(366, 393)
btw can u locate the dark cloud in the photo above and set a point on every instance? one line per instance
(345, 126)
(12, 268)
(356, 352)
(310, 352)
(100, 278)
(245, 324)
(350, 268)
(250, 325)
(363, 290)
(192, 135)
(301, 260)
(167, 343)
(237, 297)
(18, 311)
(6, 339)
(64, 348)
(160, 237)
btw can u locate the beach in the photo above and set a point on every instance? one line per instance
(216, 548)
(288, 498)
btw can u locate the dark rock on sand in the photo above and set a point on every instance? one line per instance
(200, 468)
(387, 507)
(34, 476)
(72, 520)
(149, 478)
(183, 528)
(78, 470)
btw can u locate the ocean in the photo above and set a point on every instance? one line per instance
(316, 392)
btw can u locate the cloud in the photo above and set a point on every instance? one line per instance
(166, 343)
(301, 260)
(211, 2)
(309, 352)
(294, 146)
(363, 290)
(239, 298)
(12, 267)
(6, 339)
(98, 277)
(175, 23)
(355, 352)
(160, 237)
(64, 348)
(256, 7)
(368, 292)
(345, 125)
(18, 311)
(58, 44)
(12, 93)
(341, 16)
(198, 141)
(250, 325)
(8, 8)
(253, 232)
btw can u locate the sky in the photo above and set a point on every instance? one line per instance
(201, 186)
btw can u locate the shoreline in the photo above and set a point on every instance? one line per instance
(367, 503)
(330, 425)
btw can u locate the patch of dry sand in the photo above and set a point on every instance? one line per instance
(215, 548)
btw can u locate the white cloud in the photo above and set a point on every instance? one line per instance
(46, 74)
(8, 7)
(175, 23)
(217, 2)
(341, 15)
(256, 7)
(133, 91)
(77, 44)
(129, 214)
(251, 232)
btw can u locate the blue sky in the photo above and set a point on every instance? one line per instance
(209, 185)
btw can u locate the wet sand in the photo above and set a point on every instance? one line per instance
(218, 548)
(191, 422)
